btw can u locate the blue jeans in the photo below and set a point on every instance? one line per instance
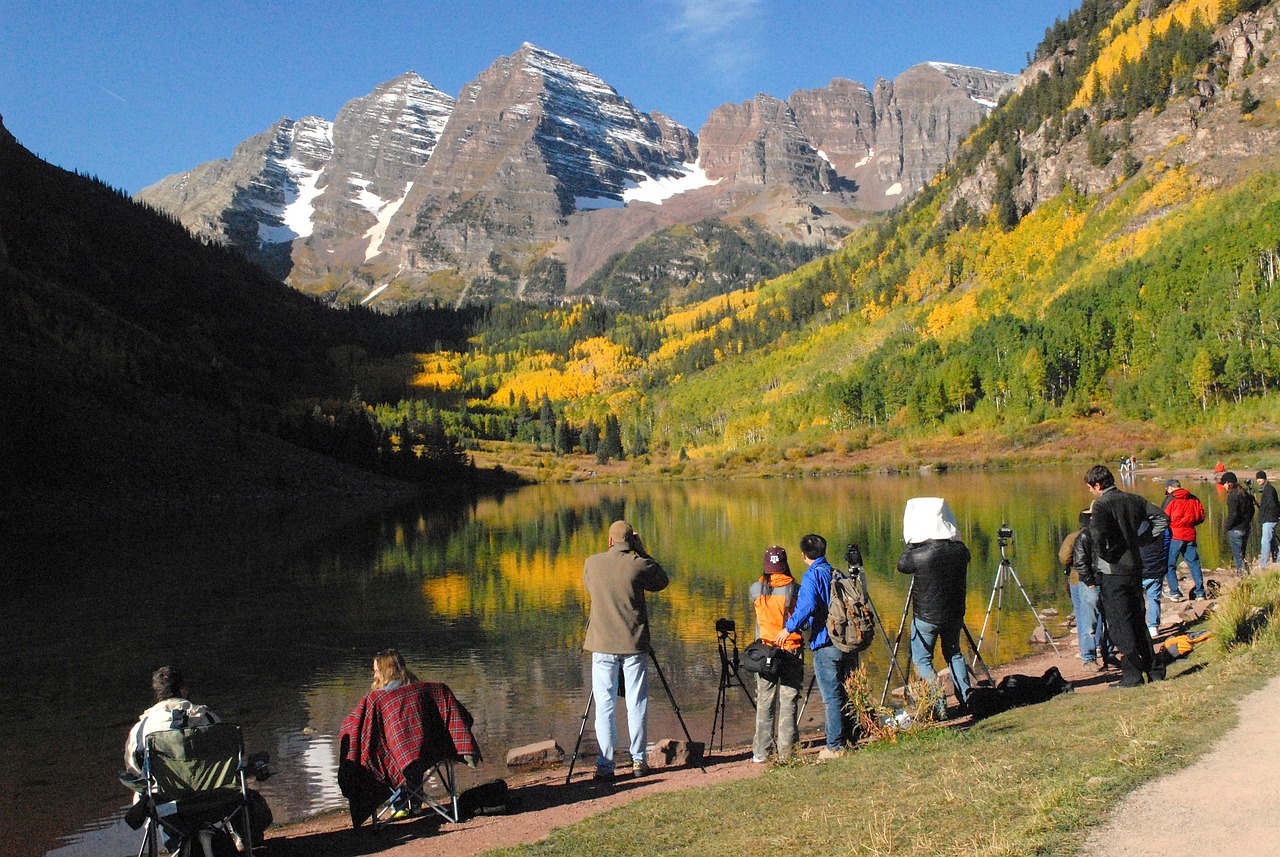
(1189, 552)
(1265, 556)
(1237, 539)
(1088, 620)
(924, 635)
(604, 688)
(1152, 587)
(830, 667)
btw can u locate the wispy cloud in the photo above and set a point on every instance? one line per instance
(112, 94)
(724, 30)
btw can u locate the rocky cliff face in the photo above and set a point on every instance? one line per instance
(534, 138)
(409, 195)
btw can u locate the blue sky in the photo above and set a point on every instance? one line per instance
(133, 91)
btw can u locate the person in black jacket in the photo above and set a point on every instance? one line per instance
(940, 563)
(1121, 526)
(1239, 518)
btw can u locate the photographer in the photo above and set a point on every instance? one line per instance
(618, 638)
(830, 665)
(940, 563)
(773, 597)
(1121, 525)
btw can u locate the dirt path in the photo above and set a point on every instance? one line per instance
(1227, 803)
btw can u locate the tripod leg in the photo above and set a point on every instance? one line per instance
(654, 657)
(977, 658)
(581, 729)
(875, 617)
(991, 603)
(745, 692)
(897, 644)
(1032, 608)
(808, 691)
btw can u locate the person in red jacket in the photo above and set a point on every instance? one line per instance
(1185, 512)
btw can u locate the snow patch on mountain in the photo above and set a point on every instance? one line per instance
(294, 218)
(378, 230)
(656, 189)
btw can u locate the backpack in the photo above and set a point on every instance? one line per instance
(850, 622)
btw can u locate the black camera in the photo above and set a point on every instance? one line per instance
(724, 627)
(852, 555)
(1004, 534)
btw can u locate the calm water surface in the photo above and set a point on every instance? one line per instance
(485, 595)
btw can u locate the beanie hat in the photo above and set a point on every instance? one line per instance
(1229, 478)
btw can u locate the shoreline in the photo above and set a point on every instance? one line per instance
(541, 801)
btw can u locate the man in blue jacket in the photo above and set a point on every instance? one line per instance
(830, 665)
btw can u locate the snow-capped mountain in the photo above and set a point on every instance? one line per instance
(540, 170)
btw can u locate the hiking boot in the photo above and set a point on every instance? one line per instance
(1177, 596)
(827, 753)
(603, 776)
(641, 770)
(758, 760)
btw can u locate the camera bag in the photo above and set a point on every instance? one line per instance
(764, 659)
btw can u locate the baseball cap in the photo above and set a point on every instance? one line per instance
(775, 561)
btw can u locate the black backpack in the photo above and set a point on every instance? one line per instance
(850, 623)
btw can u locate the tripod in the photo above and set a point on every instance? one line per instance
(1005, 571)
(591, 699)
(727, 638)
(897, 643)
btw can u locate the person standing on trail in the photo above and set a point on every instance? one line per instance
(1121, 525)
(618, 639)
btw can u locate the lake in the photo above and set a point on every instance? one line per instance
(276, 632)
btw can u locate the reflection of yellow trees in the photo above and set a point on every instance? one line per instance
(1125, 41)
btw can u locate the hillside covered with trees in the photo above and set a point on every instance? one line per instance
(1103, 248)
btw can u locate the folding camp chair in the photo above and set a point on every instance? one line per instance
(196, 789)
(399, 749)
(432, 787)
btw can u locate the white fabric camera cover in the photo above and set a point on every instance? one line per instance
(928, 518)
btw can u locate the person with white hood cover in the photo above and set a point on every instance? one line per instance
(940, 563)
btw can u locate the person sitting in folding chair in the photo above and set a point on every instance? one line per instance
(188, 772)
(403, 732)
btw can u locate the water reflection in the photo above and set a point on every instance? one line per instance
(483, 594)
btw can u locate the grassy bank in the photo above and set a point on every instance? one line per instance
(1085, 441)
(1030, 781)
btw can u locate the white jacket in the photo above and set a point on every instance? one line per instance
(172, 713)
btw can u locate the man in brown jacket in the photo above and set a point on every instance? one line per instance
(618, 638)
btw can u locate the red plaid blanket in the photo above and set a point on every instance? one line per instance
(392, 729)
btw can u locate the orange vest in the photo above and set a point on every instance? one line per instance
(774, 604)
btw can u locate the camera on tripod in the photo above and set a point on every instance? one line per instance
(853, 556)
(1004, 535)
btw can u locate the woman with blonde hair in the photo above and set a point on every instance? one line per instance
(390, 672)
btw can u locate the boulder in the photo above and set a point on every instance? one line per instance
(535, 755)
(674, 753)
